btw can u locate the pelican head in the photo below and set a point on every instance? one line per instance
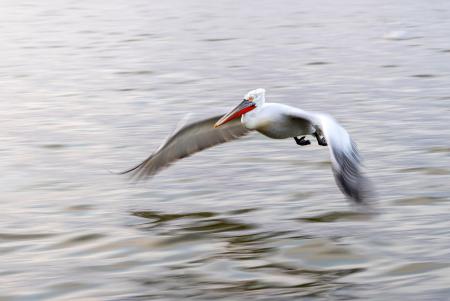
(251, 100)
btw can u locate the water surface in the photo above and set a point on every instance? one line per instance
(92, 86)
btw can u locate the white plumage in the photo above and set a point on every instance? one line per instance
(273, 120)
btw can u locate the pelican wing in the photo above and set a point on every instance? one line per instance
(345, 159)
(187, 140)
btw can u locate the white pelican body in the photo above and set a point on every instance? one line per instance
(273, 120)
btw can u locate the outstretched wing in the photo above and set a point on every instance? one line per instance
(186, 141)
(345, 159)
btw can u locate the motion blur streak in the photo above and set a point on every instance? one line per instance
(90, 85)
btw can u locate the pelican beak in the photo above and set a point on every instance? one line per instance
(244, 107)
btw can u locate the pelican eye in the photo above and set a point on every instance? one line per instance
(250, 98)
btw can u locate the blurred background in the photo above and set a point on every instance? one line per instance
(88, 86)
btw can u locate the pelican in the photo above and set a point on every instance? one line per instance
(274, 120)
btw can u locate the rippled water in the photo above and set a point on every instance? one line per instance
(97, 85)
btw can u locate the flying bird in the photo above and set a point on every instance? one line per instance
(274, 120)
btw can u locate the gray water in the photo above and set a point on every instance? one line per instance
(88, 86)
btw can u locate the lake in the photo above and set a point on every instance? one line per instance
(93, 86)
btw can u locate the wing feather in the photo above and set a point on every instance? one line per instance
(346, 161)
(187, 140)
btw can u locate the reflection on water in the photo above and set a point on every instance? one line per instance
(250, 260)
(89, 87)
(339, 216)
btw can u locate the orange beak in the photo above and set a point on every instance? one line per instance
(244, 107)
